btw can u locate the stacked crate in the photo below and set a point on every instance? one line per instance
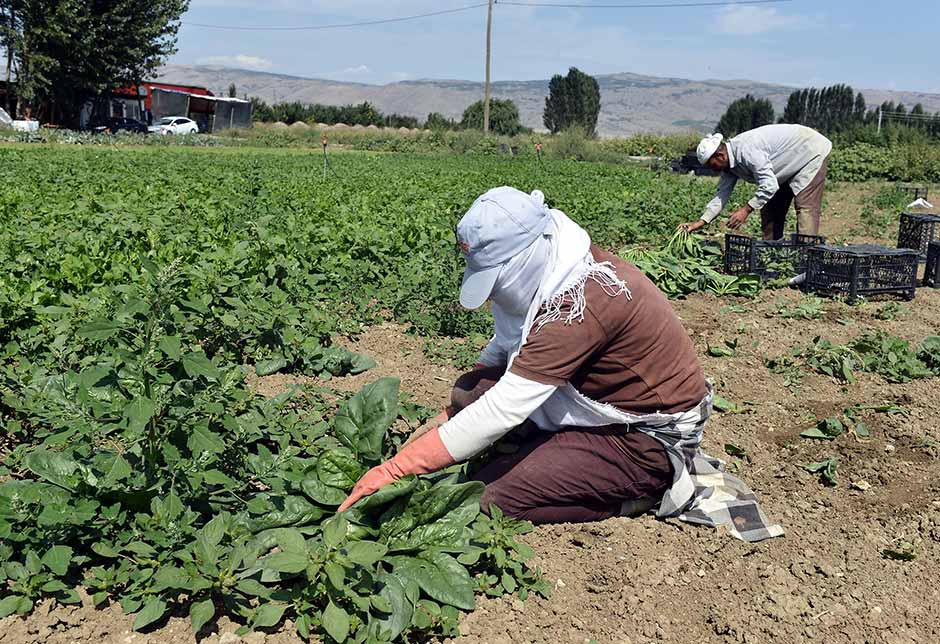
(861, 270)
(916, 231)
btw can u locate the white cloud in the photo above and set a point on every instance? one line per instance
(358, 70)
(747, 20)
(242, 61)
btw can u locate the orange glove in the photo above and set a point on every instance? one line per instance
(425, 455)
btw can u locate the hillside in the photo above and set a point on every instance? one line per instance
(630, 103)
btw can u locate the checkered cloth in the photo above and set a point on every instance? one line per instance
(702, 491)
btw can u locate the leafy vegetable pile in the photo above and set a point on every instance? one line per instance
(686, 266)
(153, 477)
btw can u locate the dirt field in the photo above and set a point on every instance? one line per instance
(644, 580)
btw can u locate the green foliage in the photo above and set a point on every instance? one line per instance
(684, 266)
(834, 360)
(864, 161)
(360, 114)
(153, 477)
(826, 470)
(272, 256)
(725, 406)
(460, 353)
(889, 356)
(809, 308)
(727, 349)
(745, 114)
(573, 101)
(437, 121)
(827, 429)
(929, 353)
(504, 117)
(876, 352)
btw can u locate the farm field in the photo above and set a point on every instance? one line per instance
(209, 283)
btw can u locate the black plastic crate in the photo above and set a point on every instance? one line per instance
(932, 270)
(862, 270)
(768, 259)
(914, 189)
(917, 231)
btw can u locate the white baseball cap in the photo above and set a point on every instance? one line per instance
(499, 225)
(707, 147)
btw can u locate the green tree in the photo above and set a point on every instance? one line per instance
(504, 117)
(261, 111)
(830, 109)
(745, 114)
(860, 109)
(232, 90)
(66, 52)
(437, 121)
(573, 100)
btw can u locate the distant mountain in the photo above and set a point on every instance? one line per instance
(630, 103)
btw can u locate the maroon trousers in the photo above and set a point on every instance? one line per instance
(570, 476)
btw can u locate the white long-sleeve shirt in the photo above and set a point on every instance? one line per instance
(505, 406)
(770, 156)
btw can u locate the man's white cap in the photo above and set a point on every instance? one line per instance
(707, 147)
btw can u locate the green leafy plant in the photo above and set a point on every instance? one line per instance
(890, 357)
(151, 475)
(727, 349)
(827, 429)
(837, 361)
(876, 352)
(890, 311)
(726, 406)
(462, 353)
(826, 470)
(929, 353)
(785, 366)
(809, 308)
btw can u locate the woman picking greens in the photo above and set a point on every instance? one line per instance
(591, 368)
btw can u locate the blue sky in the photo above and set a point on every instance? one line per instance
(803, 42)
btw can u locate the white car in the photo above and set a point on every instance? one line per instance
(175, 125)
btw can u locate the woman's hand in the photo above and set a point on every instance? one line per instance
(371, 482)
(427, 454)
(692, 226)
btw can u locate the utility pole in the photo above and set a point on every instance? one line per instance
(879, 120)
(486, 92)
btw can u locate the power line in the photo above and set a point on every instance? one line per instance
(366, 23)
(908, 115)
(649, 5)
(442, 12)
